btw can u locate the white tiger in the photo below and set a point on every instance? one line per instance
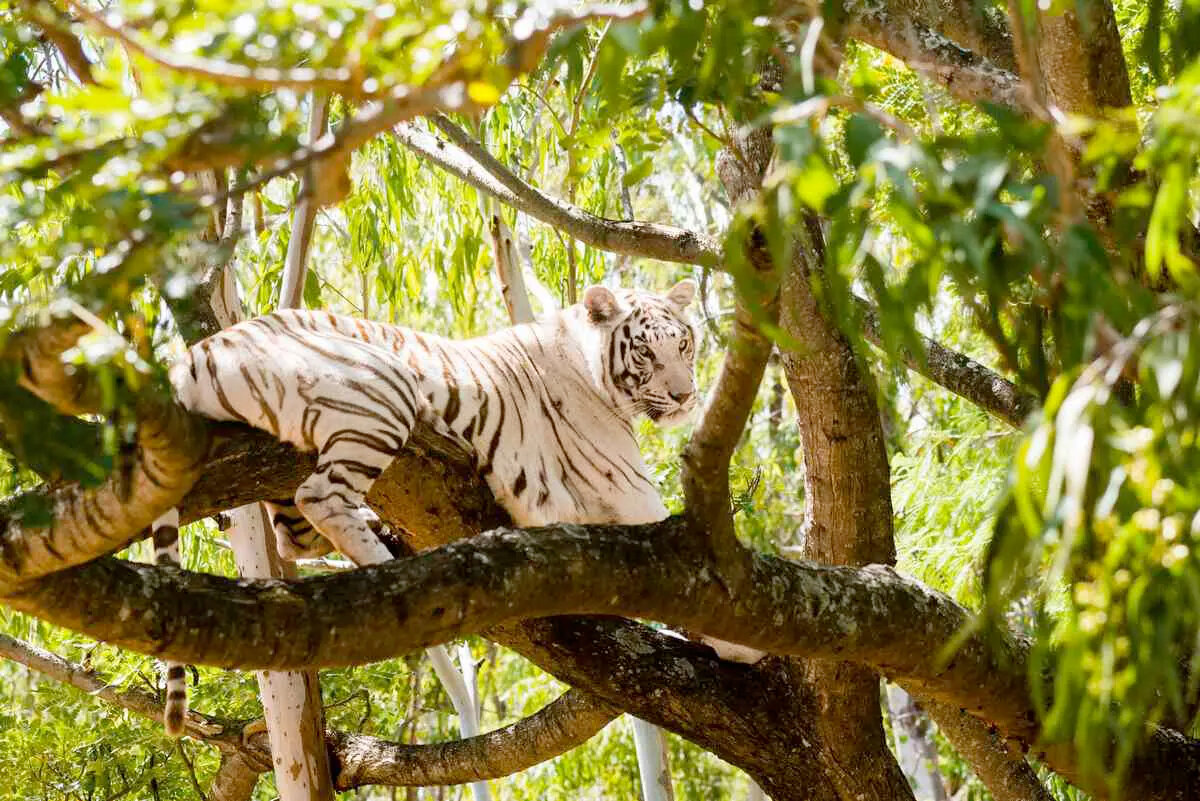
(546, 407)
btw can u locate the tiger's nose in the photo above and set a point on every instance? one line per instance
(679, 397)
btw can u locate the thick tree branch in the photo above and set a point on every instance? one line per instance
(708, 452)
(926, 38)
(964, 73)
(567, 722)
(334, 148)
(167, 456)
(960, 374)
(235, 779)
(866, 614)
(757, 718)
(632, 238)
(975, 26)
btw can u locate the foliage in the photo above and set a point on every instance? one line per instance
(1080, 528)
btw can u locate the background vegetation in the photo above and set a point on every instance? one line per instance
(1079, 528)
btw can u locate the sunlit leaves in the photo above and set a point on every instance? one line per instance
(1105, 504)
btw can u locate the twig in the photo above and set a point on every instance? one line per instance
(572, 178)
(691, 115)
(577, 106)
(191, 769)
(47, 17)
(223, 72)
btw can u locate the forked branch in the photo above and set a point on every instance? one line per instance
(359, 759)
(631, 238)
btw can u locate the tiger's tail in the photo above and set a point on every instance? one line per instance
(165, 532)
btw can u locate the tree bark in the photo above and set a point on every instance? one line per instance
(1082, 61)
(1001, 768)
(291, 699)
(235, 779)
(847, 512)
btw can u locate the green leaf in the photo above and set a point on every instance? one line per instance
(862, 132)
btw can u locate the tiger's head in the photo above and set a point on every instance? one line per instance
(646, 350)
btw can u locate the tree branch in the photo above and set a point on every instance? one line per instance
(960, 374)
(467, 587)
(168, 453)
(964, 73)
(706, 457)
(708, 451)
(564, 724)
(359, 759)
(642, 239)
(235, 779)
(1001, 768)
(137, 701)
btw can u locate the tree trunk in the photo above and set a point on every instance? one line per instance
(847, 514)
(291, 699)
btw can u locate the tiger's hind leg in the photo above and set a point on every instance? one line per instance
(333, 499)
(295, 537)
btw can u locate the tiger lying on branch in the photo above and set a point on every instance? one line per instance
(546, 407)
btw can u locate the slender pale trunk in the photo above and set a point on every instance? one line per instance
(460, 686)
(914, 749)
(291, 700)
(653, 762)
(291, 293)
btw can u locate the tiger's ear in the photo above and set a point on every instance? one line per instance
(601, 304)
(683, 293)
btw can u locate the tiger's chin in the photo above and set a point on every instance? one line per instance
(671, 417)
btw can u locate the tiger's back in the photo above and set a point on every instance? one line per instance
(546, 407)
